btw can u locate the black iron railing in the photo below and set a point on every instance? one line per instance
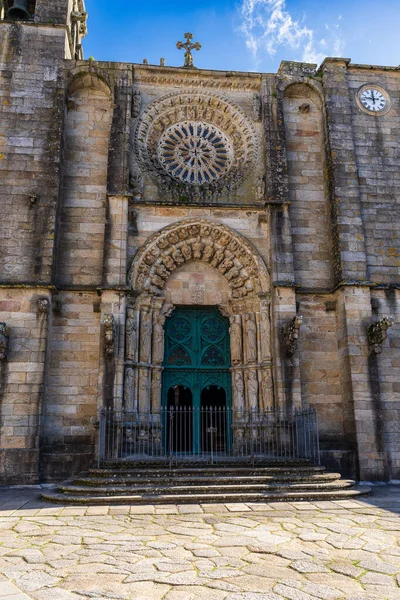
(210, 433)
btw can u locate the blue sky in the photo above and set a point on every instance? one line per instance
(245, 35)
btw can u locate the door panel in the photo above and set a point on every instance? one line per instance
(197, 356)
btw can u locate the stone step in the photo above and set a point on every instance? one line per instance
(207, 470)
(204, 498)
(181, 464)
(217, 489)
(142, 478)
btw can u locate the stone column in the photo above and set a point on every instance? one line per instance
(158, 358)
(348, 231)
(359, 379)
(116, 243)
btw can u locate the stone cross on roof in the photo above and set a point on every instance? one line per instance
(188, 46)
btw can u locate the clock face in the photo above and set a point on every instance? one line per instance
(373, 99)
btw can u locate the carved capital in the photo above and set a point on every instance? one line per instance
(377, 334)
(291, 333)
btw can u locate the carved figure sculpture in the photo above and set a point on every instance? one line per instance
(4, 341)
(208, 253)
(177, 256)
(265, 332)
(156, 391)
(145, 335)
(186, 251)
(238, 388)
(251, 337)
(130, 402)
(169, 263)
(236, 340)
(218, 257)
(109, 335)
(158, 339)
(131, 335)
(197, 249)
(377, 333)
(257, 108)
(136, 104)
(144, 391)
(252, 390)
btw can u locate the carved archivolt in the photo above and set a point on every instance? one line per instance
(239, 136)
(204, 241)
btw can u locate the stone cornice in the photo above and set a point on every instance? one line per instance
(196, 78)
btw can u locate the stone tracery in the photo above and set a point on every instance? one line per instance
(214, 115)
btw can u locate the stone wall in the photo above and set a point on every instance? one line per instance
(378, 155)
(22, 377)
(71, 400)
(30, 145)
(84, 202)
(310, 207)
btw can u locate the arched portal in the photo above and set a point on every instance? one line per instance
(196, 265)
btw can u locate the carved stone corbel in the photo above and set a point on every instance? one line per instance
(109, 336)
(377, 334)
(43, 305)
(4, 341)
(291, 333)
(136, 104)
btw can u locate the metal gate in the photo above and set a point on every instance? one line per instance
(226, 434)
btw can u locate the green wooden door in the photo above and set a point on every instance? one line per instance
(197, 366)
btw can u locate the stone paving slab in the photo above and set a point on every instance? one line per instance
(337, 550)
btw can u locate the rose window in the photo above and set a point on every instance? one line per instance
(195, 152)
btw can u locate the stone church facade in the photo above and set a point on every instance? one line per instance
(129, 192)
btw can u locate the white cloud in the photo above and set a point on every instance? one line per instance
(268, 27)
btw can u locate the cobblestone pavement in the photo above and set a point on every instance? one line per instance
(296, 551)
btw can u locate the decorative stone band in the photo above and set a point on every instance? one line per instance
(377, 334)
(204, 241)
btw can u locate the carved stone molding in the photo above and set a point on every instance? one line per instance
(4, 341)
(377, 334)
(202, 240)
(195, 111)
(109, 336)
(291, 333)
